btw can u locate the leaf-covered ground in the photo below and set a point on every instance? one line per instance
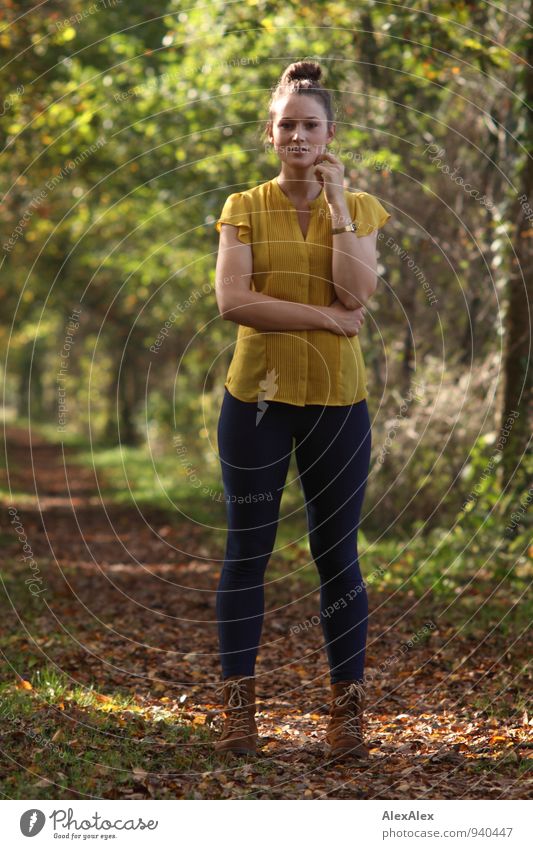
(110, 670)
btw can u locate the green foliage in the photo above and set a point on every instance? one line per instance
(123, 136)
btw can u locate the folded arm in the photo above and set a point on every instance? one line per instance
(237, 302)
(354, 260)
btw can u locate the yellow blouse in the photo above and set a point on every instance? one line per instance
(295, 366)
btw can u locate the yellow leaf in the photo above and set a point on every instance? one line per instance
(68, 34)
(109, 707)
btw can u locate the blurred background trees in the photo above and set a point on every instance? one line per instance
(124, 126)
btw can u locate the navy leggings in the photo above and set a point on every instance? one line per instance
(332, 448)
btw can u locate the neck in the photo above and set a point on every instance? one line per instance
(299, 183)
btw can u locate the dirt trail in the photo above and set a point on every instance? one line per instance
(132, 594)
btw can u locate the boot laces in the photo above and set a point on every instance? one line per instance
(352, 698)
(237, 720)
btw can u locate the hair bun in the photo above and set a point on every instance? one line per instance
(303, 77)
(305, 70)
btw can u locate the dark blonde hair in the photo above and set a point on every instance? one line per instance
(301, 78)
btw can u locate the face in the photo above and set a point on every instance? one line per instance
(299, 130)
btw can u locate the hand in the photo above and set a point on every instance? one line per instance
(330, 172)
(342, 321)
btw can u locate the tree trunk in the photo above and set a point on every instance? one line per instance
(122, 398)
(518, 370)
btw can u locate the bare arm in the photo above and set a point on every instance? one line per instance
(354, 261)
(238, 303)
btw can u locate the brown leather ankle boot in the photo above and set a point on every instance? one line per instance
(239, 734)
(344, 734)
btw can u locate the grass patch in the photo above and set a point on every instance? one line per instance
(74, 742)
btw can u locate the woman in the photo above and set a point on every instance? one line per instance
(296, 265)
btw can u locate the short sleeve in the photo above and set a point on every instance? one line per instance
(235, 212)
(368, 213)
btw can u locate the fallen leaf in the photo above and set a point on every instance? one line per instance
(139, 773)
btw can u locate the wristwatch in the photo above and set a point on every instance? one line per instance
(349, 228)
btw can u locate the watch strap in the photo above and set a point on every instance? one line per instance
(349, 228)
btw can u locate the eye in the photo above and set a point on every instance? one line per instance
(289, 124)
